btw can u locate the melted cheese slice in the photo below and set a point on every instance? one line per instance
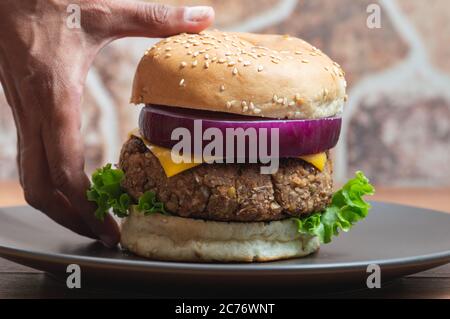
(171, 168)
(165, 159)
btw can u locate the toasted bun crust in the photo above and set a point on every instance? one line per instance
(185, 239)
(251, 74)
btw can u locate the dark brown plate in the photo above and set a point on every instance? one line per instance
(401, 240)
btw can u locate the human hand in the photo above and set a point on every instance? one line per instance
(43, 67)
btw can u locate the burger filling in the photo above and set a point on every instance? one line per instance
(228, 192)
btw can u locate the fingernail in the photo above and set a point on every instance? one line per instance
(198, 14)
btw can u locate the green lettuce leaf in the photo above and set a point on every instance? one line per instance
(107, 193)
(347, 207)
(148, 204)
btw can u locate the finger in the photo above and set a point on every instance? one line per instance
(38, 189)
(32, 162)
(64, 151)
(136, 18)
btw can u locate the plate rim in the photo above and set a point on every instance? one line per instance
(250, 268)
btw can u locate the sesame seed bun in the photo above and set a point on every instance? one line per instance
(185, 239)
(259, 75)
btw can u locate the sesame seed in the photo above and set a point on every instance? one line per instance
(168, 49)
(260, 68)
(245, 109)
(235, 71)
(251, 106)
(189, 53)
(181, 82)
(298, 52)
(194, 64)
(243, 104)
(222, 60)
(168, 55)
(196, 54)
(229, 105)
(206, 64)
(247, 63)
(275, 98)
(257, 111)
(231, 63)
(280, 100)
(275, 61)
(305, 61)
(206, 56)
(214, 59)
(240, 59)
(183, 64)
(222, 88)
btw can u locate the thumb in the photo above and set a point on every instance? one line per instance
(141, 19)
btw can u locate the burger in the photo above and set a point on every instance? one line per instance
(231, 161)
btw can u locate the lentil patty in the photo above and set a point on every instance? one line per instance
(228, 192)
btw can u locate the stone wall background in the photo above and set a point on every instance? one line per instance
(397, 120)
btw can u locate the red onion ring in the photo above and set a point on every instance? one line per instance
(296, 137)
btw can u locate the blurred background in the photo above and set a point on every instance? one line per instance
(397, 119)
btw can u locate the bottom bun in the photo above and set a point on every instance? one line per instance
(175, 238)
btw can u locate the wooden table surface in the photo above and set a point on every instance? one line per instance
(17, 281)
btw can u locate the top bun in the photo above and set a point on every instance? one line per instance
(249, 74)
